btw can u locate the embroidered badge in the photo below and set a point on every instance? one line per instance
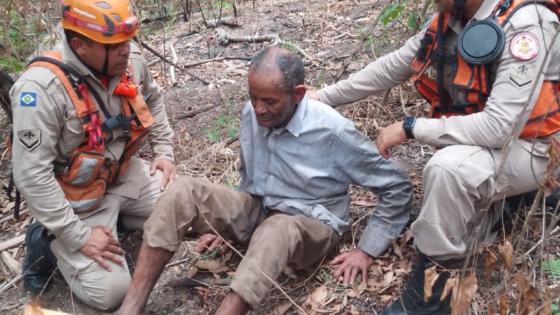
(30, 138)
(524, 46)
(522, 75)
(28, 99)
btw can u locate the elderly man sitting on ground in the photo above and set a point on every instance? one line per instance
(298, 159)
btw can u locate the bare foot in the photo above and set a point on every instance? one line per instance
(233, 304)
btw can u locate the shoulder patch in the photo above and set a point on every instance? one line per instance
(28, 99)
(522, 75)
(30, 138)
(524, 46)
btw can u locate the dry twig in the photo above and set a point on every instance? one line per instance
(225, 38)
(153, 51)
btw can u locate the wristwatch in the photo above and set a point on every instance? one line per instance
(408, 125)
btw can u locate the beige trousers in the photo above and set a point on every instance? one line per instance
(459, 182)
(274, 241)
(91, 283)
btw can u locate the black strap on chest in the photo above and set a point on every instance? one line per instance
(439, 60)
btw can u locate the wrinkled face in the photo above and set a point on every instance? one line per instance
(445, 6)
(94, 55)
(273, 105)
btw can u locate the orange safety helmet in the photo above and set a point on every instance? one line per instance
(103, 21)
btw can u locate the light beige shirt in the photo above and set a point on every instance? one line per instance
(507, 104)
(46, 130)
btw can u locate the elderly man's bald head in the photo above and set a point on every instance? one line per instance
(288, 63)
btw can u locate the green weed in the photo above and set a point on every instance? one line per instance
(226, 124)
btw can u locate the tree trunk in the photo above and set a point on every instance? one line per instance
(6, 83)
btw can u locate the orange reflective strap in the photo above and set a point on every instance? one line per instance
(427, 87)
(545, 117)
(464, 74)
(142, 111)
(81, 108)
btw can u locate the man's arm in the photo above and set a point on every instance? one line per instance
(511, 92)
(360, 161)
(380, 75)
(39, 116)
(37, 128)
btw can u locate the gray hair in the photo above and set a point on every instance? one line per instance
(288, 62)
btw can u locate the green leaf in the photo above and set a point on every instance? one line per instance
(412, 22)
(552, 268)
(232, 132)
(391, 13)
(222, 121)
(213, 135)
(11, 64)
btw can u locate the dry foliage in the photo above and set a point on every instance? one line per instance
(463, 294)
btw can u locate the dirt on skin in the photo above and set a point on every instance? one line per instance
(205, 120)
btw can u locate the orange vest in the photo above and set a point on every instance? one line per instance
(87, 173)
(476, 80)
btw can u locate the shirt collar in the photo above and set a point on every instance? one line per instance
(295, 124)
(486, 9)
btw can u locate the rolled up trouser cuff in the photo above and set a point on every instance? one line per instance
(251, 285)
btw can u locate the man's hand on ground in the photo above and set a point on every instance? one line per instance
(389, 137)
(168, 169)
(102, 246)
(210, 242)
(348, 264)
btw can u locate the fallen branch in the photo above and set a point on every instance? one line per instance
(200, 62)
(231, 141)
(195, 112)
(11, 216)
(9, 261)
(225, 38)
(163, 58)
(164, 18)
(192, 283)
(10, 283)
(187, 34)
(11, 243)
(227, 21)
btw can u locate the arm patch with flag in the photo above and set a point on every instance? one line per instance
(28, 99)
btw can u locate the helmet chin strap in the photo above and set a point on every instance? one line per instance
(458, 7)
(106, 63)
(103, 71)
